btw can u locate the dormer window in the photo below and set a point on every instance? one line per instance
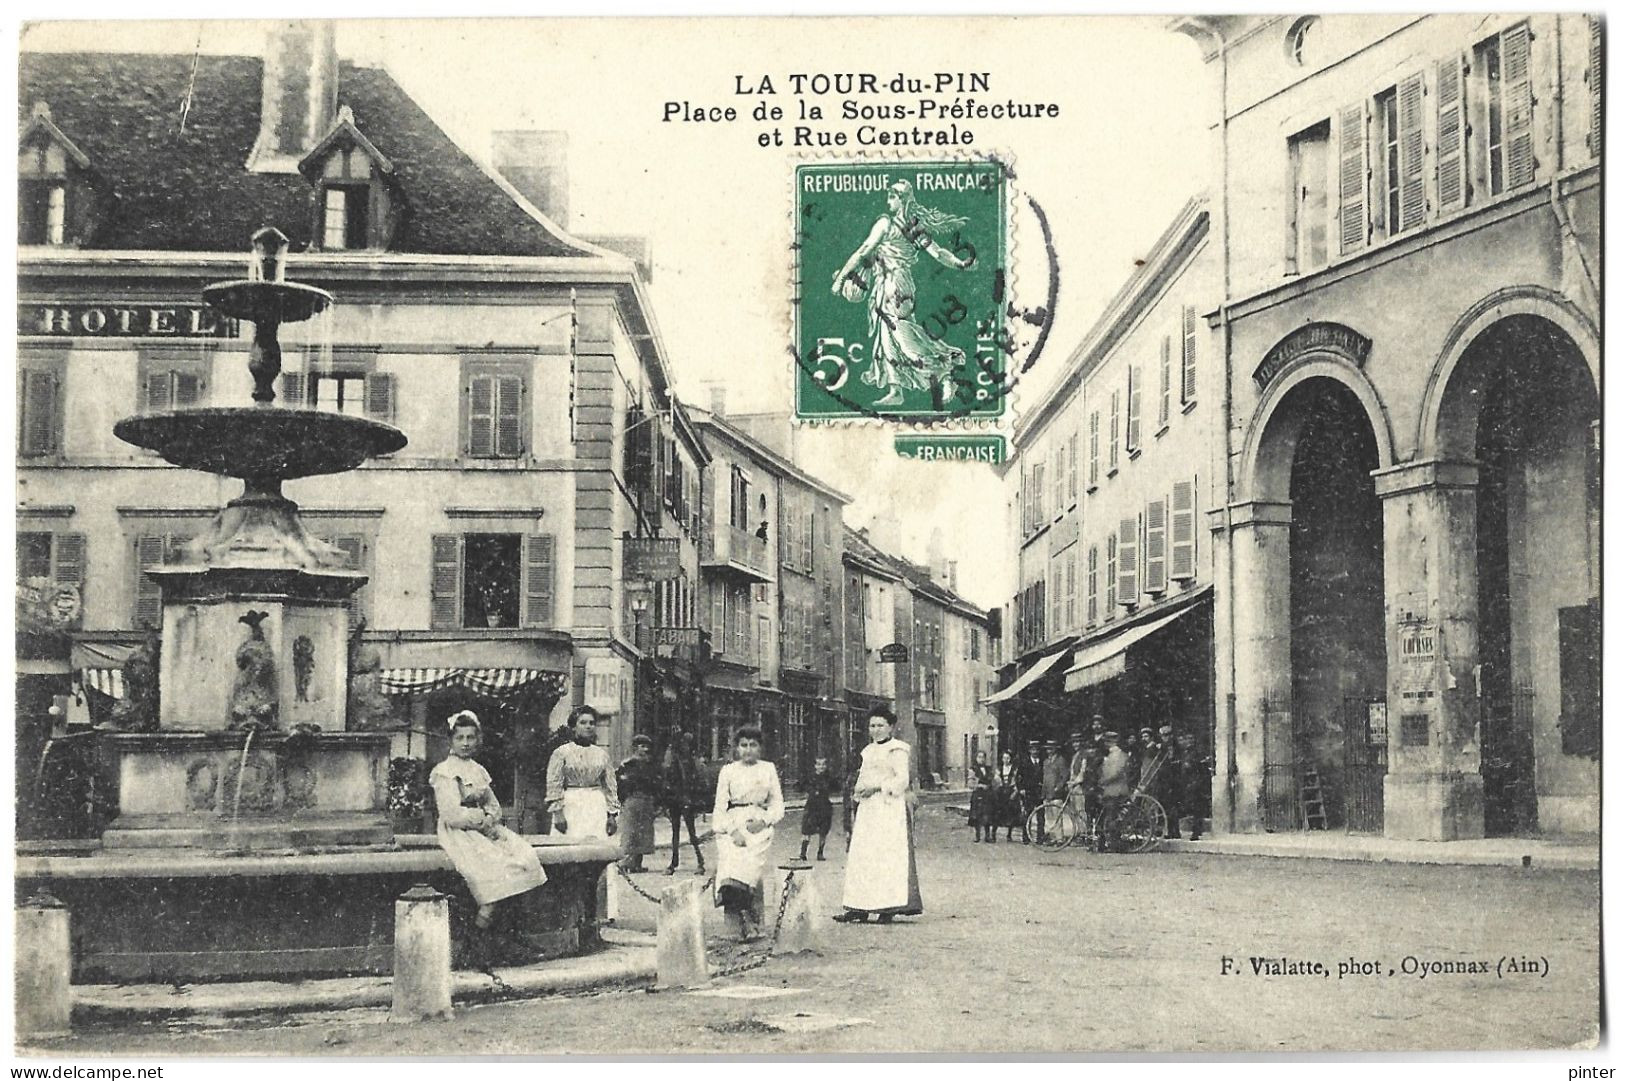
(357, 206)
(55, 193)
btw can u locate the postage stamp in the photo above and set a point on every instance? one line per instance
(900, 306)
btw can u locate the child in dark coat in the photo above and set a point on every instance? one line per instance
(817, 815)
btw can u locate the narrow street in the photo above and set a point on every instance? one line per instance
(1021, 950)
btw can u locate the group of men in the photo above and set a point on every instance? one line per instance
(1101, 768)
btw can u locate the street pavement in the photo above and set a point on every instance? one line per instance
(1023, 950)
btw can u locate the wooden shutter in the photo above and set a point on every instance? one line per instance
(68, 559)
(482, 396)
(1413, 203)
(1187, 355)
(1116, 427)
(149, 552)
(1353, 175)
(354, 548)
(1594, 77)
(540, 572)
(1111, 575)
(1166, 386)
(1128, 561)
(1184, 531)
(294, 394)
(1072, 588)
(1156, 546)
(39, 430)
(1092, 586)
(155, 392)
(1517, 95)
(1451, 133)
(1134, 394)
(510, 403)
(446, 581)
(1094, 448)
(379, 396)
(188, 388)
(1072, 467)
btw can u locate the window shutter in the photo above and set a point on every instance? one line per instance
(39, 428)
(1094, 448)
(510, 401)
(445, 581)
(354, 549)
(1134, 394)
(481, 416)
(1517, 91)
(1594, 75)
(719, 620)
(1413, 203)
(1092, 586)
(380, 396)
(293, 390)
(1072, 588)
(1187, 356)
(1184, 530)
(1072, 467)
(188, 389)
(1156, 546)
(539, 580)
(1128, 562)
(1115, 428)
(1111, 575)
(1451, 134)
(149, 552)
(1352, 177)
(156, 397)
(1165, 390)
(69, 559)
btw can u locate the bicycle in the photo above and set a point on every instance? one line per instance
(1055, 825)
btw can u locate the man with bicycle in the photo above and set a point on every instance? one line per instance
(1116, 785)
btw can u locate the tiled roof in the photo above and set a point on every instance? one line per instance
(907, 570)
(190, 190)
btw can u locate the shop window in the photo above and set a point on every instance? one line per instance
(494, 580)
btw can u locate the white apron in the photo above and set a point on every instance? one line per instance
(880, 874)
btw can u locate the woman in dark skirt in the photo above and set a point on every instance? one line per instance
(1012, 811)
(818, 813)
(983, 800)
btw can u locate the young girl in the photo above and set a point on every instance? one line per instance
(749, 803)
(494, 861)
(983, 800)
(817, 815)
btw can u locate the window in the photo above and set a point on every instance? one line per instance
(1092, 585)
(1128, 562)
(58, 558)
(1058, 476)
(173, 382)
(1132, 435)
(738, 498)
(1594, 78)
(1302, 41)
(153, 550)
(1072, 469)
(1094, 449)
(42, 212)
(1187, 357)
(351, 386)
(1071, 588)
(344, 217)
(1055, 598)
(39, 409)
(1111, 459)
(764, 643)
(1387, 108)
(496, 421)
(1400, 196)
(1307, 160)
(495, 580)
(976, 643)
(356, 549)
(1165, 386)
(1182, 557)
(1450, 132)
(1156, 546)
(355, 195)
(1504, 133)
(56, 191)
(1038, 495)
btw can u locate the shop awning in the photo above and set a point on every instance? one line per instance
(1102, 660)
(108, 681)
(1027, 678)
(490, 682)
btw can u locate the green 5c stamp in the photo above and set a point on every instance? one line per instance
(901, 305)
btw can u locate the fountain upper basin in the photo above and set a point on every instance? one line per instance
(261, 442)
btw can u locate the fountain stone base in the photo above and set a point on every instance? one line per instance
(198, 790)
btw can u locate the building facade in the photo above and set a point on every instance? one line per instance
(509, 351)
(1407, 547)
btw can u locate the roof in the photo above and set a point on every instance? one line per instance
(919, 579)
(190, 190)
(751, 445)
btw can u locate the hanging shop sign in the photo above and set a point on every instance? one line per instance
(603, 684)
(80, 320)
(651, 559)
(896, 653)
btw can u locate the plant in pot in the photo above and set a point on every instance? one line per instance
(408, 793)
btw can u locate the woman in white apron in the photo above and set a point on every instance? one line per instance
(581, 782)
(749, 804)
(880, 874)
(494, 861)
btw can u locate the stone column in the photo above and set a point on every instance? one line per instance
(1433, 790)
(44, 961)
(1255, 611)
(680, 938)
(802, 929)
(422, 983)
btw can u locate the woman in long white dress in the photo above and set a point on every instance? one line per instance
(880, 874)
(494, 861)
(749, 804)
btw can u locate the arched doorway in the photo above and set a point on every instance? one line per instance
(1521, 402)
(1325, 748)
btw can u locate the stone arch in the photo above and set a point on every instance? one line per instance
(1456, 438)
(1266, 460)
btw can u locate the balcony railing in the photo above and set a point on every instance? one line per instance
(738, 550)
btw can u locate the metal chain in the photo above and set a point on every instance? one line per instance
(761, 959)
(637, 889)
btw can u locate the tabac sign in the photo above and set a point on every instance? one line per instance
(81, 320)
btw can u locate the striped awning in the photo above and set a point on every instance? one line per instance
(108, 681)
(490, 682)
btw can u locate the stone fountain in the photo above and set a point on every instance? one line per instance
(250, 750)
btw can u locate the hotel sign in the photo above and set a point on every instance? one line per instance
(81, 320)
(651, 559)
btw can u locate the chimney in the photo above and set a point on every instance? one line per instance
(299, 91)
(950, 574)
(719, 399)
(538, 164)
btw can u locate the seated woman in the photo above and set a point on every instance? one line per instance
(494, 861)
(749, 803)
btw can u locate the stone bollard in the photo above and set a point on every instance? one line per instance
(612, 893)
(44, 968)
(801, 930)
(680, 939)
(422, 985)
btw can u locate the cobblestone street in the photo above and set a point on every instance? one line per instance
(1021, 950)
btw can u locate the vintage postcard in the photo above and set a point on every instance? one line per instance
(775, 536)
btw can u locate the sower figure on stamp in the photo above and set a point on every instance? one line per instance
(904, 355)
(682, 788)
